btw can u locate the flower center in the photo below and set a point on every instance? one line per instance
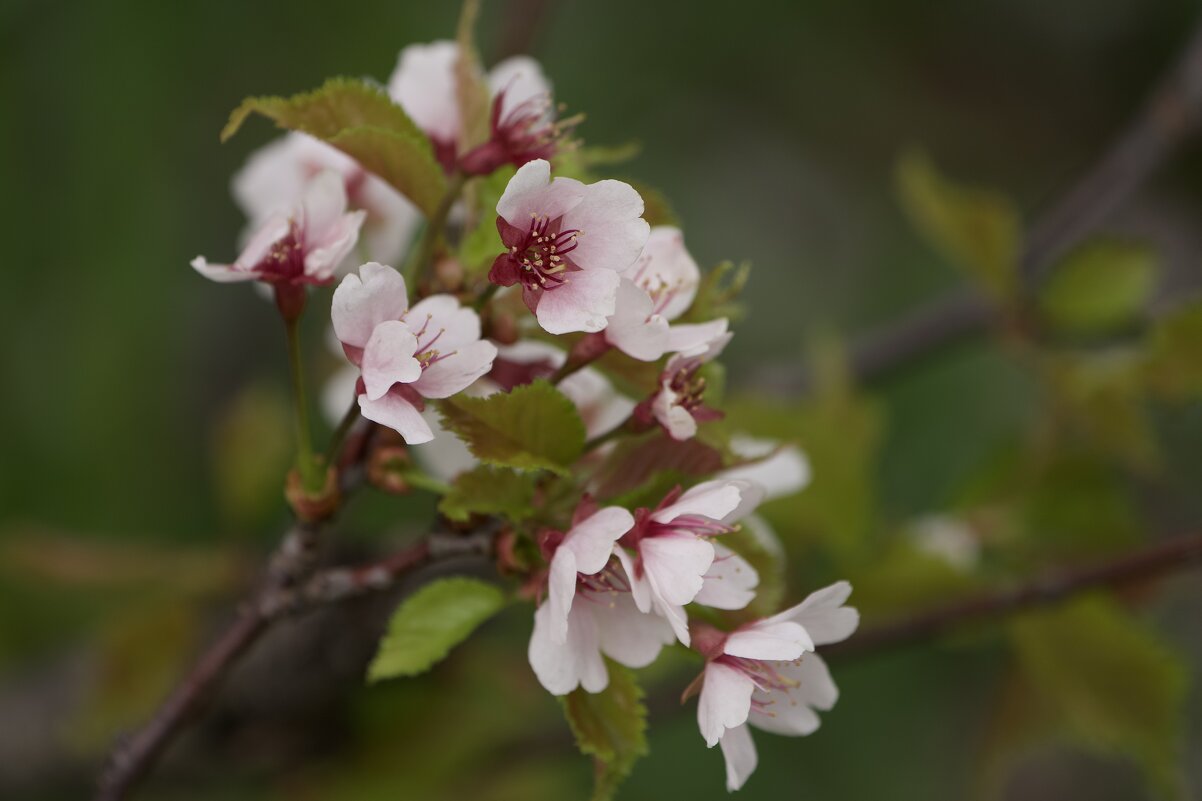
(767, 677)
(286, 259)
(688, 385)
(542, 257)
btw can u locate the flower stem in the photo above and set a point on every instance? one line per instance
(344, 427)
(306, 464)
(423, 258)
(586, 351)
(608, 436)
(485, 296)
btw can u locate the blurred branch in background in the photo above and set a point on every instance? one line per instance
(1178, 553)
(1170, 116)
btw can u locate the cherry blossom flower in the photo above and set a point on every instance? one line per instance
(657, 289)
(522, 124)
(567, 244)
(404, 355)
(667, 555)
(764, 674)
(278, 173)
(302, 245)
(679, 404)
(588, 611)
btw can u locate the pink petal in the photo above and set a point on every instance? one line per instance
(695, 339)
(457, 372)
(666, 269)
(738, 751)
(222, 273)
(323, 205)
(400, 415)
(581, 303)
(725, 701)
(614, 231)
(531, 193)
(521, 78)
(362, 302)
(424, 84)
(325, 253)
(388, 358)
(676, 419)
(632, 328)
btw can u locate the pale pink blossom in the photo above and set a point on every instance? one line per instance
(657, 289)
(301, 245)
(522, 123)
(679, 403)
(405, 355)
(764, 674)
(667, 555)
(567, 243)
(278, 173)
(588, 611)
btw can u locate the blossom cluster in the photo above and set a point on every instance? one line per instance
(610, 582)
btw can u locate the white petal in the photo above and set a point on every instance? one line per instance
(627, 635)
(592, 539)
(640, 588)
(676, 419)
(675, 565)
(823, 614)
(601, 407)
(729, 583)
(781, 471)
(710, 499)
(424, 84)
(738, 750)
(725, 701)
(361, 302)
(792, 711)
(388, 358)
(273, 177)
(322, 205)
(696, 339)
(610, 217)
(561, 667)
(632, 328)
(222, 273)
(581, 303)
(561, 590)
(400, 415)
(777, 641)
(338, 393)
(457, 372)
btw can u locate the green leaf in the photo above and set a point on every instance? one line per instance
(636, 461)
(1115, 686)
(1172, 367)
(361, 120)
(430, 623)
(1099, 287)
(974, 229)
(532, 427)
(610, 726)
(490, 491)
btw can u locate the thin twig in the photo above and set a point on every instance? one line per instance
(1169, 556)
(284, 592)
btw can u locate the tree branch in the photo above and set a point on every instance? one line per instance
(285, 591)
(1171, 115)
(1165, 557)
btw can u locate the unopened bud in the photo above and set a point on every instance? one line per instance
(386, 467)
(313, 507)
(502, 327)
(449, 274)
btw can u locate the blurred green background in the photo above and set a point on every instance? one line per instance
(132, 385)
